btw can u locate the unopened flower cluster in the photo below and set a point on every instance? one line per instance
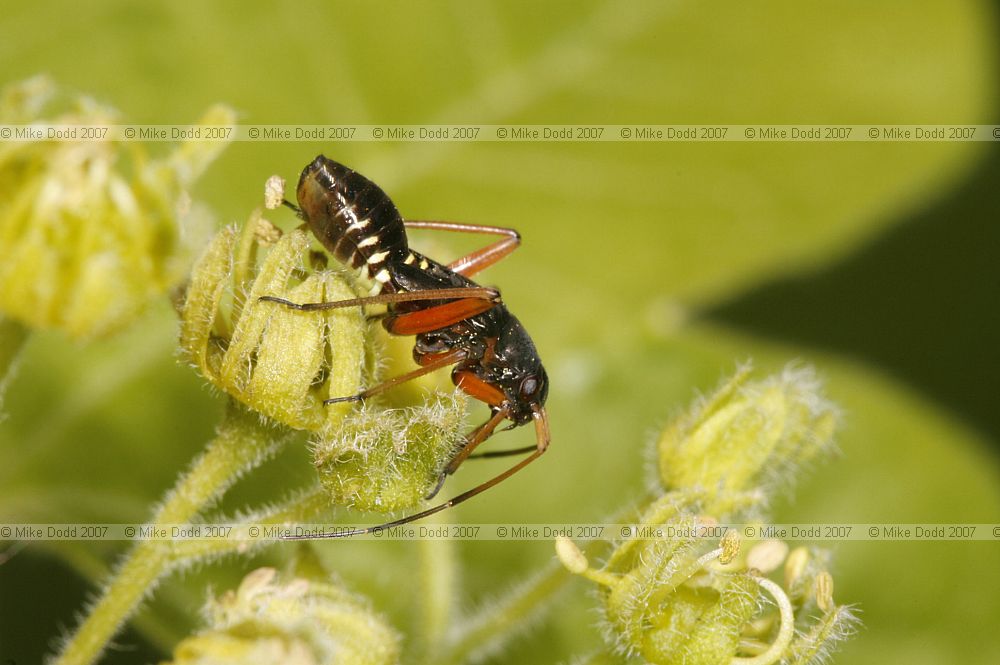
(92, 229)
(268, 621)
(285, 363)
(683, 600)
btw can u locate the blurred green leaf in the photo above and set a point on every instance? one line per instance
(696, 220)
(620, 240)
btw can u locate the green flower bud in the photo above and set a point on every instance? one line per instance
(88, 243)
(385, 460)
(280, 361)
(665, 598)
(749, 434)
(670, 602)
(718, 629)
(667, 632)
(816, 645)
(284, 362)
(300, 622)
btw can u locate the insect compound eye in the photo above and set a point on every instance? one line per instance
(431, 344)
(529, 386)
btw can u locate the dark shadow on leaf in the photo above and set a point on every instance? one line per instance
(922, 301)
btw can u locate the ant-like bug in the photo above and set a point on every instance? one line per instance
(455, 321)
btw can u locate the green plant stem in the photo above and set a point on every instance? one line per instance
(490, 626)
(241, 444)
(90, 566)
(436, 593)
(304, 508)
(13, 336)
(497, 620)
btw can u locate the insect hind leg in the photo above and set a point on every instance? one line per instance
(480, 259)
(481, 292)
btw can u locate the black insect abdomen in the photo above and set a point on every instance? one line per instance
(352, 217)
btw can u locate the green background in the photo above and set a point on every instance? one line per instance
(647, 273)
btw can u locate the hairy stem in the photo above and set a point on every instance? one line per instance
(491, 626)
(242, 443)
(438, 582)
(302, 509)
(13, 335)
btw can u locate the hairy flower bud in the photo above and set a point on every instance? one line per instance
(749, 434)
(384, 460)
(300, 622)
(278, 360)
(92, 229)
(285, 362)
(670, 599)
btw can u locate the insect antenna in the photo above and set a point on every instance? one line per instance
(297, 210)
